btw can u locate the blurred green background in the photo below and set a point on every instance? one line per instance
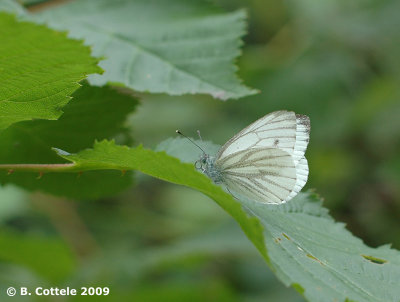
(336, 61)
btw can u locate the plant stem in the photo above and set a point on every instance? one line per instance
(39, 167)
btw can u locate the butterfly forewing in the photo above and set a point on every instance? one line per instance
(275, 130)
(263, 174)
(265, 161)
(302, 137)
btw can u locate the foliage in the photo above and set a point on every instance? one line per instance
(49, 258)
(93, 112)
(334, 61)
(174, 47)
(300, 241)
(40, 69)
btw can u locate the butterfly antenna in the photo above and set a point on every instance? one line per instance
(198, 133)
(180, 133)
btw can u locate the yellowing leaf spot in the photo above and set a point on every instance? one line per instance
(374, 259)
(314, 258)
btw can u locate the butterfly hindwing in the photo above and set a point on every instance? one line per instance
(263, 174)
(301, 178)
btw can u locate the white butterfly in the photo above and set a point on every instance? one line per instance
(265, 161)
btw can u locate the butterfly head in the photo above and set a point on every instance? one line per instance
(205, 163)
(202, 163)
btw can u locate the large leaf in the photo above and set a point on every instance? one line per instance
(174, 47)
(49, 258)
(39, 69)
(93, 113)
(301, 243)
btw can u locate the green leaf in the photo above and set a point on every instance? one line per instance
(39, 69)
(172, 290)
(301, 243)
(93, 113)
(107, 155)
(49, 258)
(173, 47)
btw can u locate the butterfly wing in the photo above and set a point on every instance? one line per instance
(280, 130)
(301, 178)
(303, 128)
(266, 175)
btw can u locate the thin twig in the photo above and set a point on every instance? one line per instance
(39, 167)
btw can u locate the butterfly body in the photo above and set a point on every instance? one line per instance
(265, 161)
(208, 166)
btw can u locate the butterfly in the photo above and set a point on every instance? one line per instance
(265, 161)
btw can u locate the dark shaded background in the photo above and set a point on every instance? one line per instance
(336, 61)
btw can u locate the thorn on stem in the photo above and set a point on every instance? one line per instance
(11, 171)
(123, 172)
(79, 174)
(40, 175)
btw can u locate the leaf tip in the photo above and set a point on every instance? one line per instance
(298, 288)
(61, 152)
